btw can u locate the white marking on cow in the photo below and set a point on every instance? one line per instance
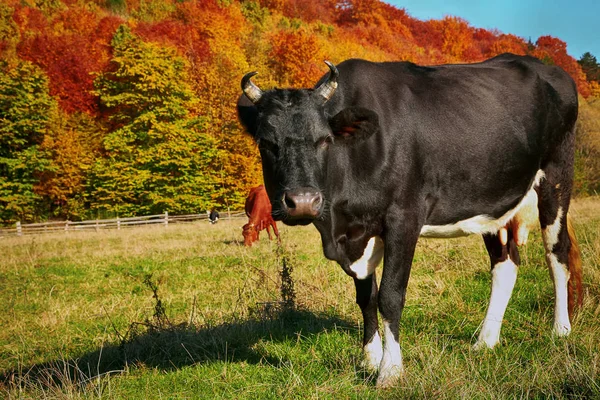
(503, 233)
(526, 219)
(481, 224)
(504, 276)
(560, 276)
(550, 233)
(391, 368)
(372, 255)
(373, 352)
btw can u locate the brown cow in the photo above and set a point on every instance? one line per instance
(258, 210)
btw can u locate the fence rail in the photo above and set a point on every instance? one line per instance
(114, 223)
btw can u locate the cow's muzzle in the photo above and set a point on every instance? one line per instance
(302, 203)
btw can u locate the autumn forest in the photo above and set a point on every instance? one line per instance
(127, 107)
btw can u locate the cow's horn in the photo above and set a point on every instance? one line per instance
(327, 88)
(251, 91)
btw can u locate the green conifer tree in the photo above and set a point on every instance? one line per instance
(157, 157)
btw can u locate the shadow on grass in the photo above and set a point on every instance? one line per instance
(175, 346)
(234, 242)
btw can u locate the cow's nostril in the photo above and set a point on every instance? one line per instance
(289, 202)
(316, 203)
(302, 203)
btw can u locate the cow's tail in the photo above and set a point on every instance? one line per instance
(575, 286)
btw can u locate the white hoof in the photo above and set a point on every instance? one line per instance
(391, 367)
(373, 353)
(389, 376)
(483, 345)
(561, 330)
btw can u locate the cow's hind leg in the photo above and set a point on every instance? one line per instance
(562, 253)
(504, 260)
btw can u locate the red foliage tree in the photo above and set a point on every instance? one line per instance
(30, 21)
(69, 49)
(484, 39)
(186, 37)
(66, 61)
(309, 10)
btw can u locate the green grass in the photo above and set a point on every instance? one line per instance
(79, 319)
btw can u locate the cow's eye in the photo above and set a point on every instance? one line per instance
(324, 142)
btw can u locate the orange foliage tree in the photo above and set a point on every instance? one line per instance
(216, 80)
(507, 44)
(296, 57)
(457, 39)
(72, 142)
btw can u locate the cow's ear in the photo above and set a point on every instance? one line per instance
(247, 114)
(354, 123)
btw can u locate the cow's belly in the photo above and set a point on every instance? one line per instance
(524, 215)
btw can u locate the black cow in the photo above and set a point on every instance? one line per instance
(378, 154)
(213, 216)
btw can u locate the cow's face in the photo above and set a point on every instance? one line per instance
(292, 137)
(250, 233)
(296, 137)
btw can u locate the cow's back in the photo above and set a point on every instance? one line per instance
(251, 200)
(469, 137)
(258, 206)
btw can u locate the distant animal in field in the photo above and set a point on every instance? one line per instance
(378, 154)
(213, 217)
(258, 210)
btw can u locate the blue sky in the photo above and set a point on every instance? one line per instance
(577, 22)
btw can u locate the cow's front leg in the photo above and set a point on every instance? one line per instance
(274, 225)
(400, 242)
(363, 271)
(269, 231)
(366, 298)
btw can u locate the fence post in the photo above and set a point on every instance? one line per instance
(166, 218)
(19, 232)
(67, 225)
(97, 227)
(118, 224)
(228, 213)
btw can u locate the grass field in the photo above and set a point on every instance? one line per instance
(188, 312)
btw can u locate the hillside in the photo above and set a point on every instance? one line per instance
(121, 107)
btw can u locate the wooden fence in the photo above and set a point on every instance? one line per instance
(115, 223)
